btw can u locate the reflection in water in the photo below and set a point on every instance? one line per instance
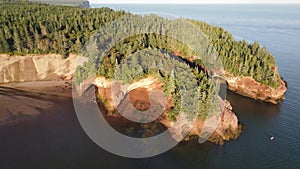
(246, 107)
(57, 141)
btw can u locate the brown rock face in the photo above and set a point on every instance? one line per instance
(225, 126)
(139, 98)
(248, 87)
(36, 68)
(228, 127)
(218, 129)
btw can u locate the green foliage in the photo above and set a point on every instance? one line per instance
(241, 58)
(177, 83)
(35, 28)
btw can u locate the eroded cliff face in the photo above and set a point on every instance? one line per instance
(216, 129)
(53, 67)
(248, 87)
(36, 68)
(224, 127)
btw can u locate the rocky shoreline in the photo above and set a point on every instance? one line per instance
(28, 69)
(227, 127)
(247, 86)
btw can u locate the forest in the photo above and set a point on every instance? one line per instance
(36, 28)
(191, 90)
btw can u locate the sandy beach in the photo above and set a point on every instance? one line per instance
(27, 100)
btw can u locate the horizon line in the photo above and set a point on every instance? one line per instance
(187, 3)
(283, 3)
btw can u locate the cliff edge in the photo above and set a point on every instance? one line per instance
(227, 127)
(36, 68)
(248, 87)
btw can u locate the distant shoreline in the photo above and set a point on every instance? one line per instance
(79, 3)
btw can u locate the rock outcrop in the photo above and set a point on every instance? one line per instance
(53, 67)
(225, 126)
(36, 68)
(216, 129)
(248, 87)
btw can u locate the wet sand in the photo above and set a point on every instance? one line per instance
(20, 101)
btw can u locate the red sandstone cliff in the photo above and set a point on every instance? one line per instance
(248, 87)
(215, 128)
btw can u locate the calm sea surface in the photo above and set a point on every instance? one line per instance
(57, 141)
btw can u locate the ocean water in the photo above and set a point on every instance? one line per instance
(58, 141)
(278, 28)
